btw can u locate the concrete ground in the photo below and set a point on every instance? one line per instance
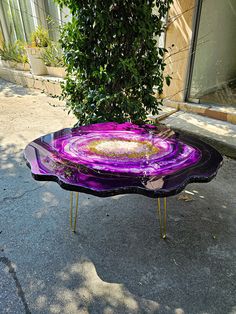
(116, 263)
(220, 134)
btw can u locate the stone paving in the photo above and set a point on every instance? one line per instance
(220, 134)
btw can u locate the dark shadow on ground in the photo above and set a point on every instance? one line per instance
(117, 263)
(9, 89)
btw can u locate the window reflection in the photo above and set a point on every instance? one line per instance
(214, 72)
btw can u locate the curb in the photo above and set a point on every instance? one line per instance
(224, 148)
(203, 110)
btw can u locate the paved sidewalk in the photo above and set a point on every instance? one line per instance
(116, 263)
(220, 134)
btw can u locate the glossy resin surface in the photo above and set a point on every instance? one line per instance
(110, 158)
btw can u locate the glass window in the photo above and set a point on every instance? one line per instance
(214, 71)
(16, 19)
(53, 19)
(27, 17)
(9, 21)
(23, 15)
(2, 39)
(65, 15)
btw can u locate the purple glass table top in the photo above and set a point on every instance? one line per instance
(106, 159)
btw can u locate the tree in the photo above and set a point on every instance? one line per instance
(113, 62)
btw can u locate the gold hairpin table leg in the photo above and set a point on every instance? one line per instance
(72, 213)
(162, 217)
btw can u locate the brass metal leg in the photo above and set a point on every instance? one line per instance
(73, 223)
(71, 208)
(162, 217)
(159, 215)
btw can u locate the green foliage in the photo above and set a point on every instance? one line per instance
(40, 37)
(14, 52)
(6, 52)
(113, 62)
(53, 55)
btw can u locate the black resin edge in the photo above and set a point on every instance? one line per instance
(195, 178)
(127, 190)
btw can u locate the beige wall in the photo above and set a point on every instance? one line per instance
(179, 34)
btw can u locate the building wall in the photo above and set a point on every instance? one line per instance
(178, 40)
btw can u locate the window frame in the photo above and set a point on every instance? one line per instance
(193, 46)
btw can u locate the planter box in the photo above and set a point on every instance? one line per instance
(19, 66)
(5, 63)
(35, 61)
(22, 66)
(56, 71)
(15, 65)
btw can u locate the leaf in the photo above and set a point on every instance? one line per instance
(185, 197)
(114, 66)
(168, 80)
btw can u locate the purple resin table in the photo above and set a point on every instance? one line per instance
(109, 158)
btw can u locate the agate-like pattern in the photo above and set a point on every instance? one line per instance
(109, 158)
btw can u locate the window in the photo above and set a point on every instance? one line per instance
(21, 17)
(9, 25)
(27, 17)
(214, 70)
(53, 19)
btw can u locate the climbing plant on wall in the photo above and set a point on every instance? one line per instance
(114, 64)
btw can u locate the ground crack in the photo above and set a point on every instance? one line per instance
(8, 198)
(20, 291)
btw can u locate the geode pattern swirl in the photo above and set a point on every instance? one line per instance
(110, 158)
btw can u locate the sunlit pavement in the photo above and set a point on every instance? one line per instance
(220, 134)
(116, 263)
